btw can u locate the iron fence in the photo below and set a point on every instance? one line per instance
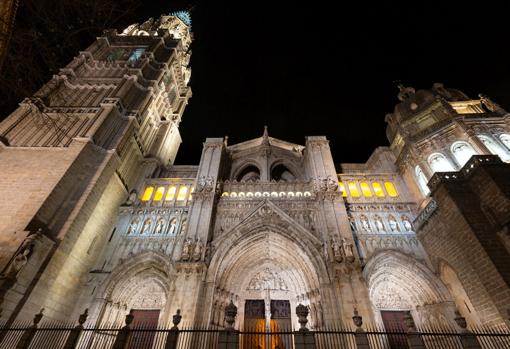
(58, 336)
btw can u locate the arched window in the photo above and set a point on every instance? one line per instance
(494, 148)
(462, 151)
(365, 189)
(422, 181)
(170, 194)
(378, 190)
(159, 194)
(147, 194)
(183, 191)
(282, 173)
(249, 173)
(505, 138)
(439, 163)
(390, 189)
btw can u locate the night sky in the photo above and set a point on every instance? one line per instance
(322, 70)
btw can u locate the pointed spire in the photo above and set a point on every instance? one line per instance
(265, 134)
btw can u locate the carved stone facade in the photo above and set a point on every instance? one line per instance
(265, 223)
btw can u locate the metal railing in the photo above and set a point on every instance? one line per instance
(25, 335)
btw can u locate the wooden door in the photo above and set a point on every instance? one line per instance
(394, 321)
(143, 319)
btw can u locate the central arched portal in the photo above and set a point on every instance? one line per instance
(266, 272)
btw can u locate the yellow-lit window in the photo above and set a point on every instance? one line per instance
(147, 193)
(191, 193)
(378, 190)
(170, 194)
(183, 191)
(390, 189)
(353, 189)
(365, 189)
(159, 194)
(341, 187)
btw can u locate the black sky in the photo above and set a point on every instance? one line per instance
(316, 69)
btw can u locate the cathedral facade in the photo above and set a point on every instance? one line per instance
(96, 214)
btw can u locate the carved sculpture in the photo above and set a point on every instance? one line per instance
(159, 226)
(379, 224)
(393, 225)
(407, 224)
(9, 276)
(131, 198)
(186, 250)
(364, 224)
(267, 280)
(205, 184)
(173, 225)
(197, 251)
(132, 226)
(146, 226)
(347, 246)
(337, 251)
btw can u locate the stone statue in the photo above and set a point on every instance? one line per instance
(337, 251)
(173, 225)
(146, 226)
(332, 184)
(132, 226)
(197, 251)
(379, 224)
(393, 225)
(186, 250)
(407, 224)
(364, 224)
(21, 258)
(159, 226)
(201, 182)
(349, 255)
(132, 198)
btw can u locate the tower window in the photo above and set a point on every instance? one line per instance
(353, 189)
(183, 191)
(147, 194)
(390, 189)
(495, 148)
(170, 193)
(440, 163)
(422, 181)
(378, 190)
(462, 152)
(505, 138)
(159, 194)
(365, 189)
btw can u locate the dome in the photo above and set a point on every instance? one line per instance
(413, 102)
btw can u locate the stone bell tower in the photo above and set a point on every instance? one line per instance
(73, 152)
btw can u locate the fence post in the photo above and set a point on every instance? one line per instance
(229, 339)
(124, 334)
(360, 335)
(28, 335)
(74, 335)
(303, 339)
(173, 335)
(467, 338)
(414, 339)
